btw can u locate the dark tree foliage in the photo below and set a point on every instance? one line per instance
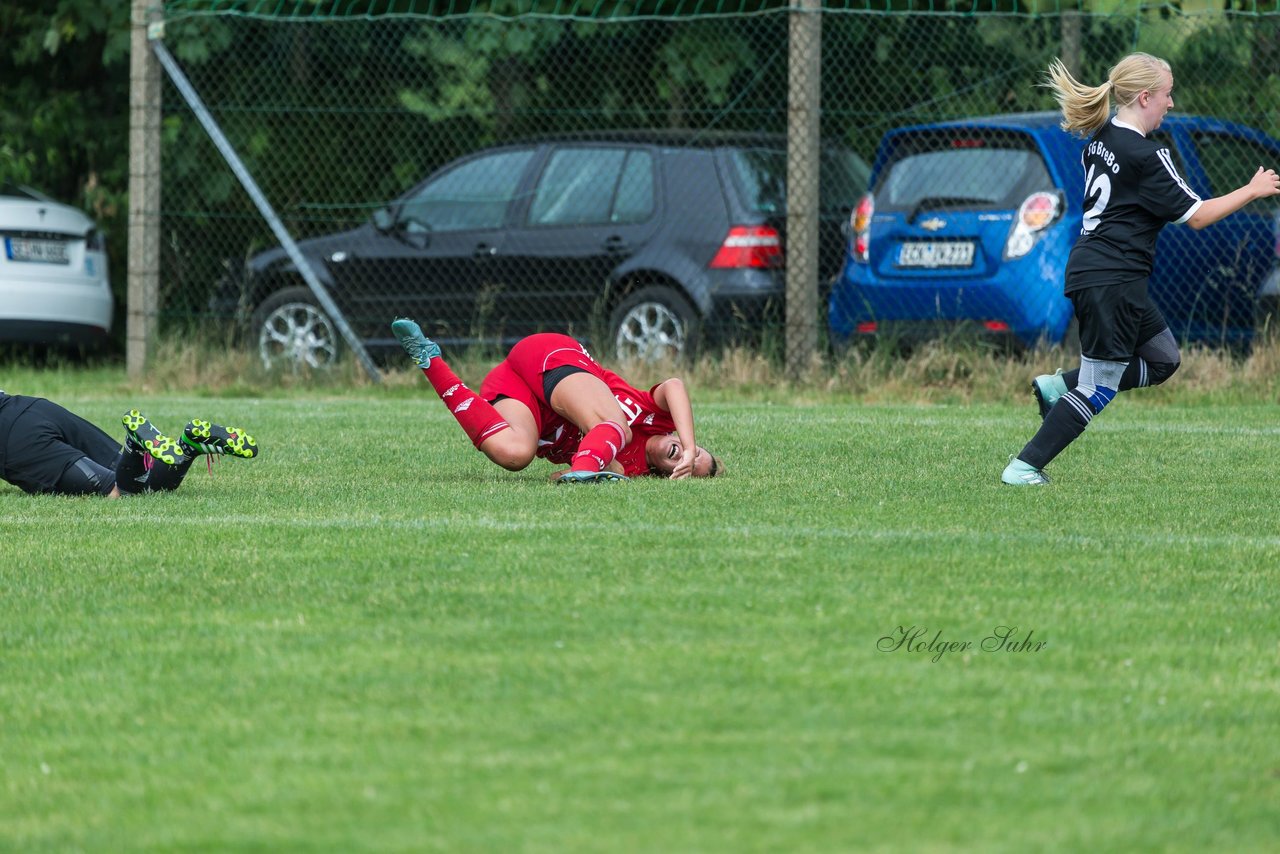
(64, 107)
(335, 117)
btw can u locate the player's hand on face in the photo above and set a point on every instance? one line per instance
(684, 466)
(1266, 181)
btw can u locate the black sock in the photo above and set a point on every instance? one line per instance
(131, 470)
(1067, 420)
(1133, 374)
(165, 477)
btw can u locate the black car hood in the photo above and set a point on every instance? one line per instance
(320, 248)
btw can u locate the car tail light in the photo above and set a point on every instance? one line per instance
(860, 225)
(867, 327)
(995, 326)
(749, 246)
(1038, 212)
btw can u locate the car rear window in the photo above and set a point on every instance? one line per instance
(762, 177)
(963, 167)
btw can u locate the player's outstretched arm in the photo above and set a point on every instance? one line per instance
(1264, 183)
(672, 396)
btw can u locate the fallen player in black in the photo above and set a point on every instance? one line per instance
(47, 449)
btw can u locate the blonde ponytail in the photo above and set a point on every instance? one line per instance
(1087, 108)
(1084, 108)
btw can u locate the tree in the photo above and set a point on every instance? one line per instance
(64, 96)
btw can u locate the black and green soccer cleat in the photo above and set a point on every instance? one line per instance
(144, 435)
(205, 437)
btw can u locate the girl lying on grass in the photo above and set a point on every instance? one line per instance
(550, 399)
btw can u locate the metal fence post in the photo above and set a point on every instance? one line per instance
(804, 79)
(143, 263)
(1069, 25)
(220, 141)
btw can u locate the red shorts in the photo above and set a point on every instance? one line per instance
(519, 377)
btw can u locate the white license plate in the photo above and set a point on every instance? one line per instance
(936, 254)
(37, 251)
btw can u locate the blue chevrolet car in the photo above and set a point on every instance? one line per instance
(967, 226)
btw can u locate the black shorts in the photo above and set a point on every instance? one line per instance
(46, 440)
(1115, 319)
(552, 378)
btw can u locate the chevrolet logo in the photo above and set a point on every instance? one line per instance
(933, 224)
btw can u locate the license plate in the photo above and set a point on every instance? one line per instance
(936, 254)
(37, 251)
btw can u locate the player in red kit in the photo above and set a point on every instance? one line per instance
(550, 399)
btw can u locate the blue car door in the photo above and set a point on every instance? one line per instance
(1205, 282)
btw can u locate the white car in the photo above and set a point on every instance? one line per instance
(54, 283)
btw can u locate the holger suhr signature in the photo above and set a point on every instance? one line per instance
(918, 639)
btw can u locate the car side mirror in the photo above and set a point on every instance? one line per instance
(415, 234)
(383, 219)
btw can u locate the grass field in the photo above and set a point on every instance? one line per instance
(371, 639)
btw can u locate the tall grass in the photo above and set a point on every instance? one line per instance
(940, 372)
(955, 372)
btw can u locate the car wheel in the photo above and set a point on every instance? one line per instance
(654, 324)
(293, 331)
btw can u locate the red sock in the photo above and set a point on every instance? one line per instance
(598, 448)
(477, 417)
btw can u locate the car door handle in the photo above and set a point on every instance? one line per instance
(615, 245)
(484, 250)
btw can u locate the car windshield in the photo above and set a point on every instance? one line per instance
(971, 169)
(762, 174)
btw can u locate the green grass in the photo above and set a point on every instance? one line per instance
(372, 639)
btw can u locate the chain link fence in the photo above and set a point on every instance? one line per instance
(627, 179)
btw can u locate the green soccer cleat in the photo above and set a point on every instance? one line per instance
(144, 435)
(1048, 388)
(1018, 473)
(205, 437)
(419, 347)
(588, 477)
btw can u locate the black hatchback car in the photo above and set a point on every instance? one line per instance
(641, 243)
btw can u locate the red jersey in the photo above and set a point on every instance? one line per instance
(645, 419)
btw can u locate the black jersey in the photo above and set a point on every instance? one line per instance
(1131, 190)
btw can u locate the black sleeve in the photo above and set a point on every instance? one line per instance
(1163, 191)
